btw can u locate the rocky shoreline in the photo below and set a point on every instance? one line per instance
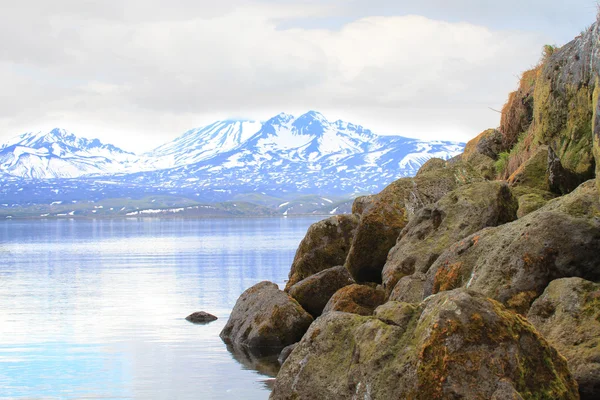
(479, 278)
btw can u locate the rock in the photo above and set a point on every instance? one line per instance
(483, 150)
(530, 199)
(384, 219)
(314, 292)
(265, 317)
(455, 345)
(361, 203)
(458, 214)
(564, 102)
(409, 289)
(433, 164)
(285, 353)
(201, 317)
(517, 113)
(513, 263)
(396, 313)
(533, 173)
(567, 314)
(325, 245)
(560, 180)
(356, 299)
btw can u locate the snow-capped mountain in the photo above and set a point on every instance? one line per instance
(60, 154)
(283, 156)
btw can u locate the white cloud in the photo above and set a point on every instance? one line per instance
(140, 74)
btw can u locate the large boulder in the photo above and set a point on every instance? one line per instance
(530, 199)
(314, 292)
(567, 314)
(356, 299)
(513, 263)
(390, 210)
(325, 245)
(456, 345)
(361, 203)
(265, 319)
(458, 214)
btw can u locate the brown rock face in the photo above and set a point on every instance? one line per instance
(384, 219)
(567, 314)
(361, 203)
(325, 245)
(356, 299)
(458, 214)
(455, 345)
(514, 263)
(314, 292)
(265, 318)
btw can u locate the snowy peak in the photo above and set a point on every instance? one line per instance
(60, 154)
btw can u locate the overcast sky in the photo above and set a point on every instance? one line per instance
(138, 73)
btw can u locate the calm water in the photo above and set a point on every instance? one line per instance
(95, 309)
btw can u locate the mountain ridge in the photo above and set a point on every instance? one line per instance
(284, 155)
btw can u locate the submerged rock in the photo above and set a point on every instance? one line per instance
(513, 263)
(265, 317)
(567, 314)
(325, 245)
(458, 214)
(356, 299)
(201, 317)
(457, 344)
(314, 292)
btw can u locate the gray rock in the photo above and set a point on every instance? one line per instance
(357, 299)
(314, 292)
(201, 317)
(458, 214)
(325, 245)
(513, 263)
(455, 345)
(567, 314)
(266, 317)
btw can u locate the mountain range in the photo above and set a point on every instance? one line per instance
(283, 157)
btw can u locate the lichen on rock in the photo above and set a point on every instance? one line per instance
(457, 344)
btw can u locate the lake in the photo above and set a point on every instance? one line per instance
(96, 308)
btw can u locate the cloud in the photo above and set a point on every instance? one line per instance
(142, 72)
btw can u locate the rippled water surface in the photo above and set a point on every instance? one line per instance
(95, 309)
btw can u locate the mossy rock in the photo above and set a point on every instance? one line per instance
(456, 215)
(361, 203)
(533, 173)
(513, 263)
(530, 199)
(433, 164)
(314, 292)
(356, 299)
(564, 102)
(517, 113)
(382, 222)
(409, 289)
(567, 314)
(482, 151)
(454, 345)
(265, 319)
(325, 245)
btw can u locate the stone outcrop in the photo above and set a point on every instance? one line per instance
(325, 245)
(533, 173)
(314, 292)
(454, 345)
(356, 299)
(266, 319)
(382, 222)
(482, 151)
(458, 214)
(514, 263)
(567, 314)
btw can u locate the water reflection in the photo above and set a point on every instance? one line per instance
(97, 308)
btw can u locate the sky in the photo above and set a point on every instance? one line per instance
(138, 73)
